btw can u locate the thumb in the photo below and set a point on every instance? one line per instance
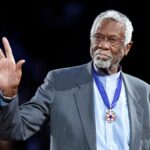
(19, 65)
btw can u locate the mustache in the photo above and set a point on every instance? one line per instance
(102, 52)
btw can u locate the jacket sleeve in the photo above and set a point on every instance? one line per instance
(19, 123)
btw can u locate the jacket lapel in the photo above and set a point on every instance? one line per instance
(135, 114)
(85, 105)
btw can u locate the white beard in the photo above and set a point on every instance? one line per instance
(101, 63)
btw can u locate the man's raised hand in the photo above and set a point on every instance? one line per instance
(10, 71)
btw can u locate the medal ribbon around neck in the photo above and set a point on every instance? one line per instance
(105, 97)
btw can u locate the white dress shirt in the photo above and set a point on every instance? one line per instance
(115, 135)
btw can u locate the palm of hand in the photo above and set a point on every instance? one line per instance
(8, 75)
(10, 71)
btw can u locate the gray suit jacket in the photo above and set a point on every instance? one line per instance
(65, 101)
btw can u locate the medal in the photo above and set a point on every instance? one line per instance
(110, 116)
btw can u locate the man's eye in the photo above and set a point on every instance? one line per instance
(112, 40)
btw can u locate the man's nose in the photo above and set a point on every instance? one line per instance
(104, 44)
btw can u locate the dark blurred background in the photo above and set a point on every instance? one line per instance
(51, 34)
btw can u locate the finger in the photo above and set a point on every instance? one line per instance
(8, 49)
(19, 65)
(1, 54)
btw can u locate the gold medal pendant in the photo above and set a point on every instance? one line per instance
(110, 116)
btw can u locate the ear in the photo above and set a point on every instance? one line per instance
(90, 48)
(127, 48)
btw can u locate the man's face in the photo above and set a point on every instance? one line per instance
(107, 44)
